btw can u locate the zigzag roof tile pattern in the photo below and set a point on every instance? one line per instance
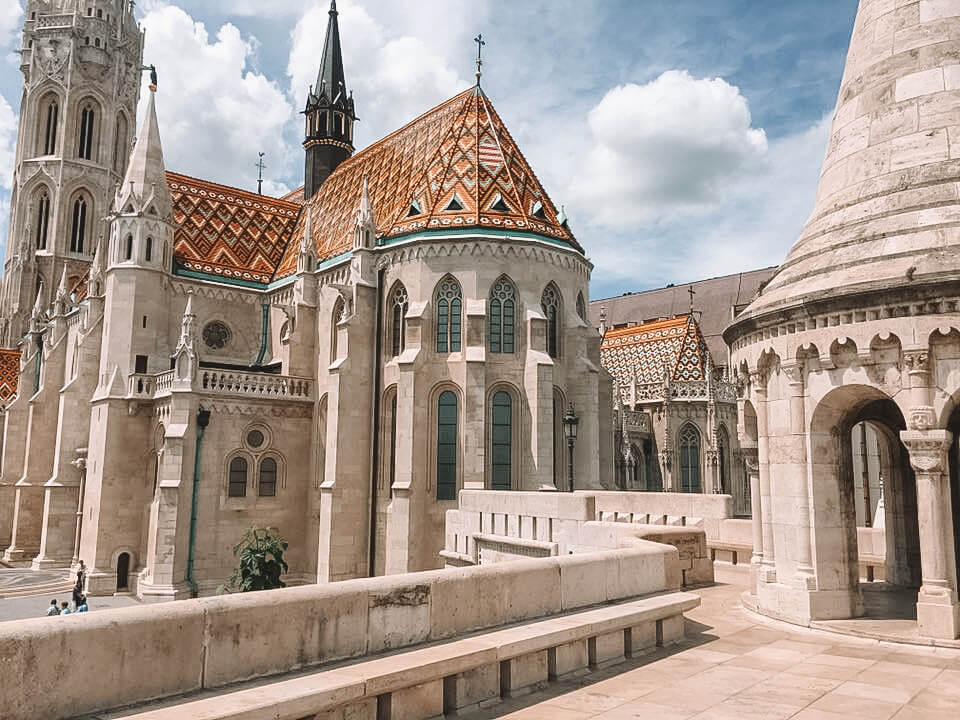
(454, 167)
(653, 351)
(9, 374)
(225, 231)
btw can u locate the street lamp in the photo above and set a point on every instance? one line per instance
(570, 422)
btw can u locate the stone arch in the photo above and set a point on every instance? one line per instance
(40, 209)
(88, 121)
(49, 119)
(831, 468)
(502, 314)
(551, 302)
(79, 215)
(516, 433)
(448, 315)
(689, 458)
(398, 303)
(337, 316)
(439, 416)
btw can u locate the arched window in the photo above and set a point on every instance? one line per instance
(723, 458)
(501, 476)
(43, 219)
(398, 305)
(339, 310)
(449, 301)
(267, 485)
(502, 315)
(78, 228)
(688, 445)
(128, 248)
(552, 306)
(321, 123)
(87, 125)
(581, 307)
(50, 118)
(148, 249)
(238, 478)
(447, 446)
(120, 145)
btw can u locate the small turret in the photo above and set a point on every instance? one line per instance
(61, 305)
(330, 115)
(306, 256)
(366, 228)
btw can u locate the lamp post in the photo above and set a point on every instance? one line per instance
(570, 422)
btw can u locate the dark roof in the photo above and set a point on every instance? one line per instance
(714, 302)
(331, 82)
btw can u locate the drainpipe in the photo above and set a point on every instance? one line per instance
(375, 461)
(203, 419)
(264, 329)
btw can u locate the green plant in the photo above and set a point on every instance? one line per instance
(261, 561)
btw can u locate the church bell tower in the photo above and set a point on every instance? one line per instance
(328, 139)
(81, 79)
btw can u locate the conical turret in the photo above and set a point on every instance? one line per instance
(887, 214)
(144, 186)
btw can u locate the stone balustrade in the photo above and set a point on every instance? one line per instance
(214, 642)
(54, 21)
(687, 390)
(232, 382)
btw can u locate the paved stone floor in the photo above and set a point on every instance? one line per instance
(22, 608)
(736, 667)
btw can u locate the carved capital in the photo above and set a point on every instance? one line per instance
(751, 462)
(795, 372)
(928, 449)
(922, 418)
(666, 458)
(916, 361)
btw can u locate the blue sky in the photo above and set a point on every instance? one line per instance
(684, 137)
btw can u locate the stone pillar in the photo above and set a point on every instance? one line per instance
(938, 613)
(795, 472)
(752, 465)
(767, 572)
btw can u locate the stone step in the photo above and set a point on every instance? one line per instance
(39, 589)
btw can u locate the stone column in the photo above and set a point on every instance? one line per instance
(752, 465)
(795, 473)
(938, 613)
(768, 572)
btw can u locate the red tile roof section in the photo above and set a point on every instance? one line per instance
(225, 231)
(9, 374)
(459, 149)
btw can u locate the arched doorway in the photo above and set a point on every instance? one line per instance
(123, 572)
(853, 527)
(953, 425)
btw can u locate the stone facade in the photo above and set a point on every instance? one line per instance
(862, 324)
(337, 367)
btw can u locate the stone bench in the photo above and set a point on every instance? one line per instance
(733, 553)
(446, 677)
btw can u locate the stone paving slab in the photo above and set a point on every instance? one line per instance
(34, 606)
(733, 666)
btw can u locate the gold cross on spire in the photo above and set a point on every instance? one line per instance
(480, 43)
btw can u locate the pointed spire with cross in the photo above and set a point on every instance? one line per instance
(480, 43)
(692, 293)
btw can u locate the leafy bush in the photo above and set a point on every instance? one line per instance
(261, 561)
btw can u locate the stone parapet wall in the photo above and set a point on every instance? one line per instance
(208, 643)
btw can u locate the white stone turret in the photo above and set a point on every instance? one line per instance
(307, 254)
(61, 304)
(185, 359)
(366, 227)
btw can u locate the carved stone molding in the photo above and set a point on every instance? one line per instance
(795, 372)
(928, 449)
(916, 361)
(922, 418)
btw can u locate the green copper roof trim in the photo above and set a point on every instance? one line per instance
(477, 232)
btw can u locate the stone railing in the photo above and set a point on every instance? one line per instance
(232, 382)
(142, 385)
(164, 382)
(687, 390)
(54, 21)
(637, 421)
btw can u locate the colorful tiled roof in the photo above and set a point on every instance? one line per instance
(225, 231)
(9, 374)
(651, 351)
(456, 166)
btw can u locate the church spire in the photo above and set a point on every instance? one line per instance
(328, 138)
(145, 183)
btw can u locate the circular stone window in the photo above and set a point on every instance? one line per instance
(255, 438)
(217, 335)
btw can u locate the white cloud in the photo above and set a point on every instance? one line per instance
(665, 147)
(395, 74)
(11, 19)
(215, 113)
(8, 141)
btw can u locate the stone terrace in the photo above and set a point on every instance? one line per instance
(737, 667)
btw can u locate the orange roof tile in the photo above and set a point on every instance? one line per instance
(225, 231)
(649, 351)
(9, 374)
(458, 154)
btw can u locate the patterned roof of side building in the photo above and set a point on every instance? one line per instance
(455, 166)
(651, 351)
(229, 232)
(9, 373)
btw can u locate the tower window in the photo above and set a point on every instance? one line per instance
(267, 486)
(688, 443)
(128, 248)
(148, 250)
(99, 14)
(140, 365)
(43, 220)
(399, 320)
(447, 446)
(78, 230)
(96, 42)
(87, 116)
(50, 129)
(120, 145)
(321, 123)
(502, 317)
(550, 302)
(454, 205)
(449, 311)
(499, 205)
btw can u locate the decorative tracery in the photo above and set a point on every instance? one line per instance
(502, 317)
(449, 303)
(551, 303)
(398, 304)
